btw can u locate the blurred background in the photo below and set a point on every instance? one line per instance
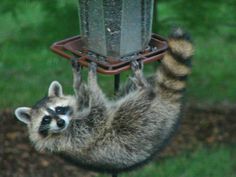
(204, 145)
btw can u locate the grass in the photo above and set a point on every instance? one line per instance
(216, 162)
(213, 78)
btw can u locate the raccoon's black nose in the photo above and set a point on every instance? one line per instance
(61, 123)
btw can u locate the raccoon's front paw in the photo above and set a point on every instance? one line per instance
(136, 65)
(93, 67)
(75, 64)
(92, 74)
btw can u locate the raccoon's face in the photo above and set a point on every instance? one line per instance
(51, 116)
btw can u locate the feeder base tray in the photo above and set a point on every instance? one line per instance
(73, 48)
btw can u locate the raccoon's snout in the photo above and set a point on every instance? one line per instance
(61, 123)
(55, 125)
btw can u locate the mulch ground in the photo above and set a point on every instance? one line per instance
(200, 125)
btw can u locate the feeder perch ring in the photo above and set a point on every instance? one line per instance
(73, 47)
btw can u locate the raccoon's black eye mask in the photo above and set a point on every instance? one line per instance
(43, 129)
(59, 110)
(46, 120)
(62, 110)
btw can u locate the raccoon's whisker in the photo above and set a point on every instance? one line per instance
(43, 127)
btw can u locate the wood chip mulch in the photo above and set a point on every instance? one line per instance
(200, 125)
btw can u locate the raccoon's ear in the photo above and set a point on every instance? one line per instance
(55, 89)
(23, 114)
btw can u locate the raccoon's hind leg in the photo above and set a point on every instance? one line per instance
(138, 79)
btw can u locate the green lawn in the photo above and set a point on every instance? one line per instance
(220, 162)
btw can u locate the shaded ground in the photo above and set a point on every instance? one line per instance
(204, 125)
(200, 125)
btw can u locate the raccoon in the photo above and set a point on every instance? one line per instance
(113, 135)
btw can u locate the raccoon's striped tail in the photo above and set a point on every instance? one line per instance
(175, 66)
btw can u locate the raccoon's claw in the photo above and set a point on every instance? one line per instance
(75, 64)
(93, 67)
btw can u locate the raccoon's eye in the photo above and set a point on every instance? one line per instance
(62, 110)
(46, 119)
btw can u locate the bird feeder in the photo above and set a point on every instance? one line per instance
(112, 34)
(116, 28)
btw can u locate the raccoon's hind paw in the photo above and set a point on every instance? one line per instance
(138, 79)
(75, 64)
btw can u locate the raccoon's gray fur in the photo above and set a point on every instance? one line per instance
(113, 135)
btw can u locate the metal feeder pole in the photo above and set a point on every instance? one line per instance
(116, 83)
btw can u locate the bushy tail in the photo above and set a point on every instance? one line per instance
(175, 66)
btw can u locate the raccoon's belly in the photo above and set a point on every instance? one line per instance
(113, 167)
(114, 156)
(112, 160)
